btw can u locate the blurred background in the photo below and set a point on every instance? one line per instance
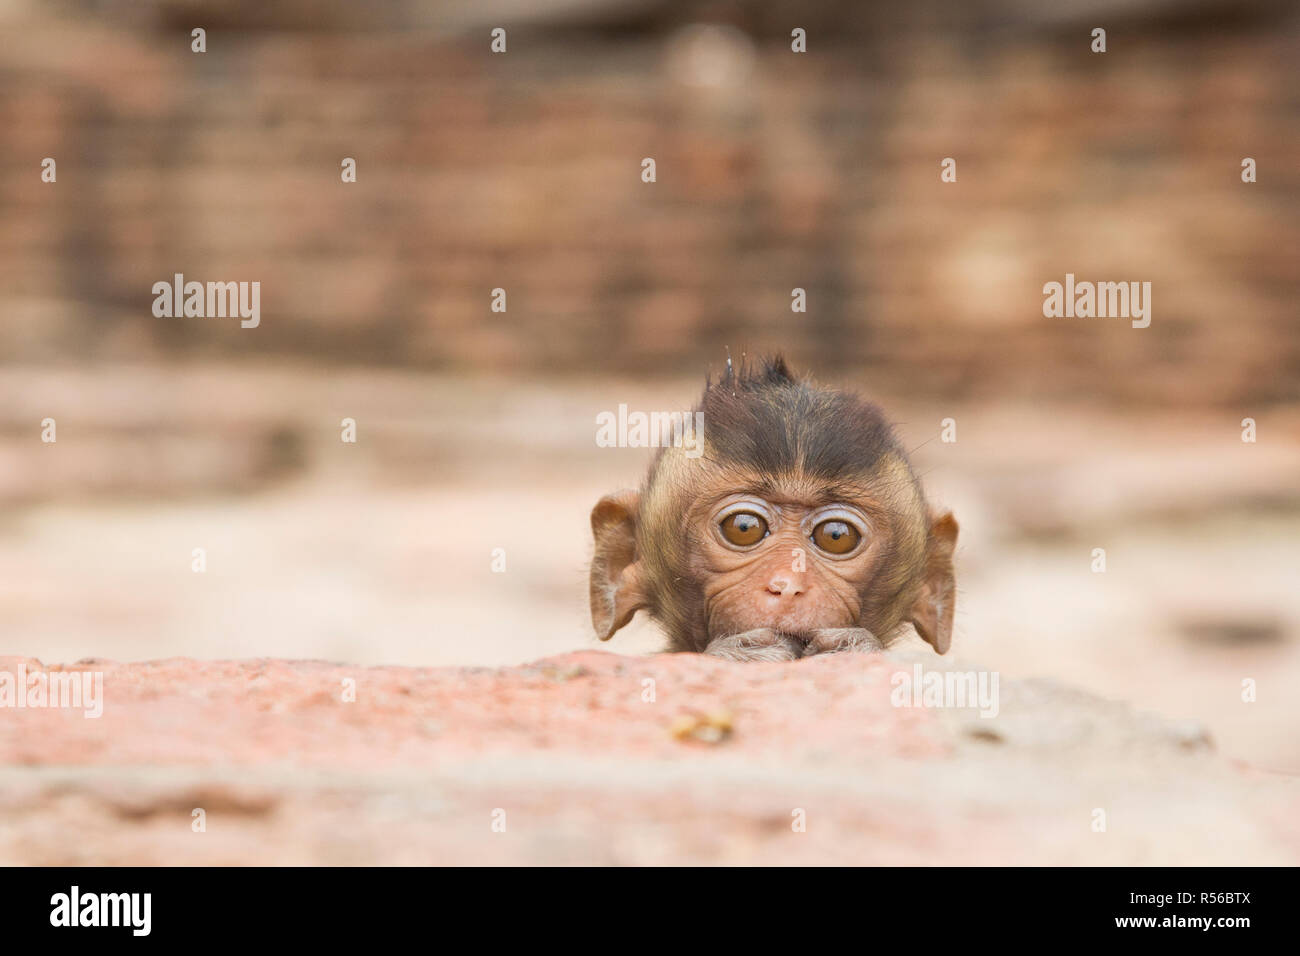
(522, 171)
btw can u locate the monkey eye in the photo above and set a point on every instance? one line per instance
(836, 537)
(743, 528)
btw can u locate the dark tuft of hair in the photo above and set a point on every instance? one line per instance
(769, 370)
(764, 417)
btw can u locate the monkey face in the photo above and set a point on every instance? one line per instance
(788, 565)
(801, 525)
(794, 556)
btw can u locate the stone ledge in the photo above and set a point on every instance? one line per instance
(587, 771)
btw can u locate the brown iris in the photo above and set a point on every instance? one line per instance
(836, 537)
(743, 528)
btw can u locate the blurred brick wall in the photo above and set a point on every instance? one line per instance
(775, 170)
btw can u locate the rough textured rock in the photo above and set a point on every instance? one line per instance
(588, 770)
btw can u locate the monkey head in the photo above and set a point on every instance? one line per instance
(800, 529)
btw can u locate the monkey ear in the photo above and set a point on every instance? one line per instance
(932, 612)
(617, 590)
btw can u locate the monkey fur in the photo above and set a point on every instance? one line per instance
(800, 529)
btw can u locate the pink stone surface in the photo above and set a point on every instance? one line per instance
(584, 768)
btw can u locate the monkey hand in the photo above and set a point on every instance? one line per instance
(760, 644)
(836, 640)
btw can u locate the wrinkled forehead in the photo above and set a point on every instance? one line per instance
(681, 485)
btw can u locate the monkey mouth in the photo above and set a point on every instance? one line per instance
(799, 641)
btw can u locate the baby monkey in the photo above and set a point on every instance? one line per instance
(800, 529)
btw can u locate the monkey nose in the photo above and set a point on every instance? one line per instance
(782, 586)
